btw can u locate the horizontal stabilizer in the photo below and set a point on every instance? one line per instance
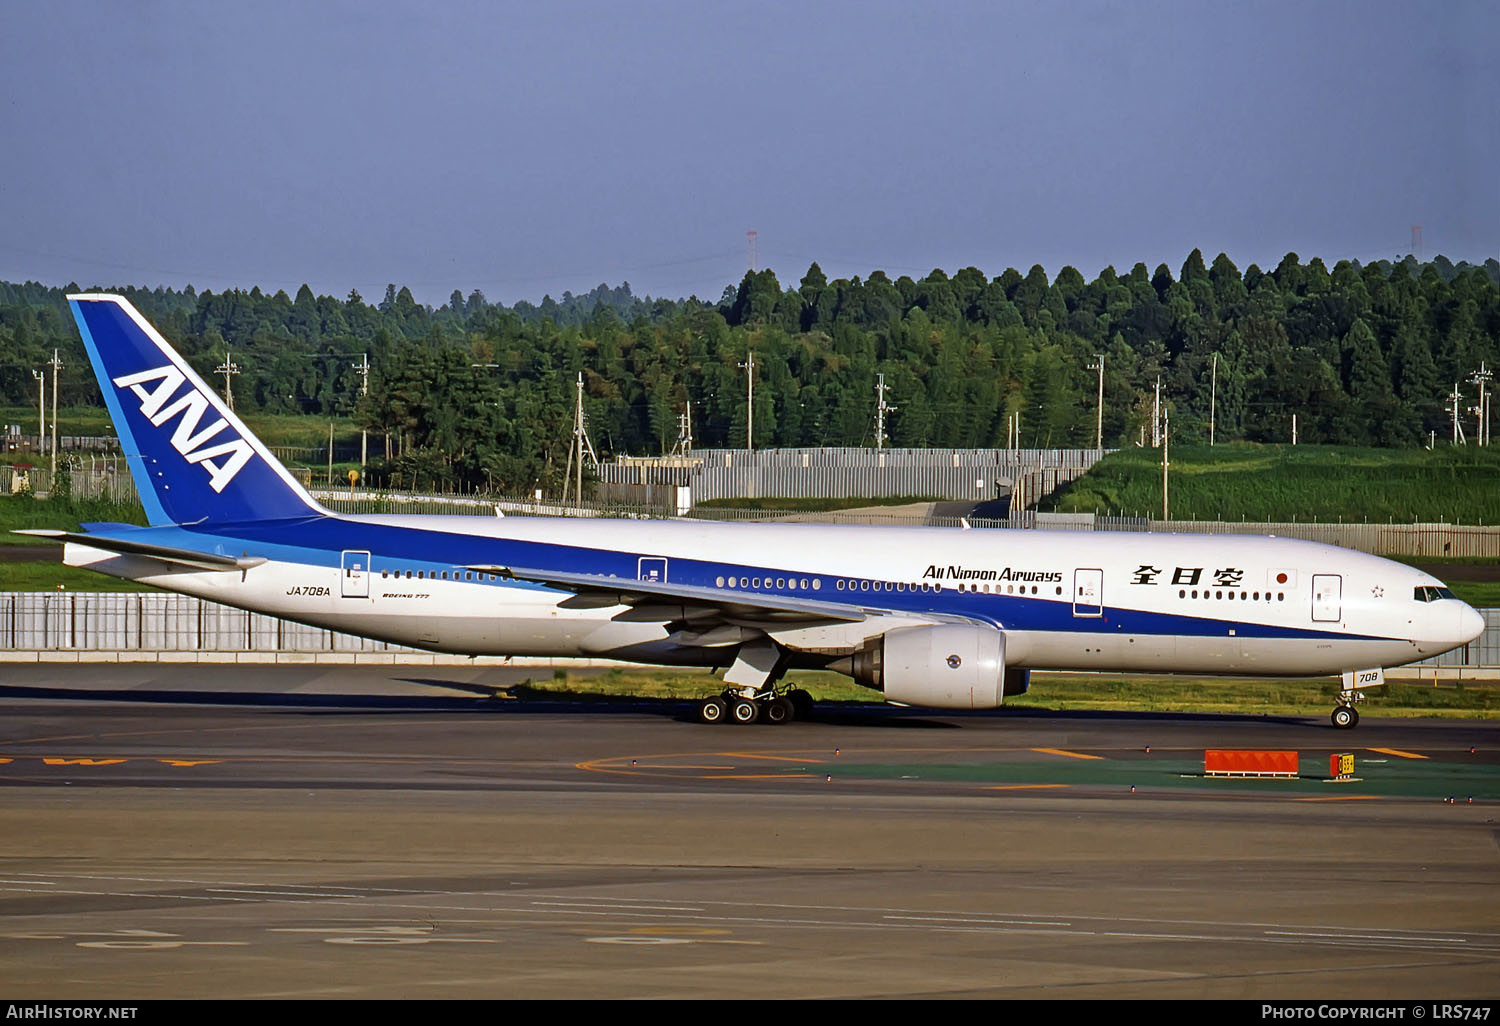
(185, 557)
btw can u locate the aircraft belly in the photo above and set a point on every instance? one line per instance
(1208, 655)
(1093, 651)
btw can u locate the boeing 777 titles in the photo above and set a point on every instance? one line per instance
(932, 617)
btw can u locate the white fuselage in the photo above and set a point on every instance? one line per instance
(1065, 600)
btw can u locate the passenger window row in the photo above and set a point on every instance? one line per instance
(438, 575)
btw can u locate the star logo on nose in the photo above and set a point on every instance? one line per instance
(1377, 591)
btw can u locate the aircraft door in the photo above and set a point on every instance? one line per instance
(355, 576)
(652, 568)
(1088, 592)
(1328, 590)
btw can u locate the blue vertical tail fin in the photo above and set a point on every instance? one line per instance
(191, 457)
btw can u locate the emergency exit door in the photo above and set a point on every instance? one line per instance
(1328, 592)
(1088, 592)
(355, 575)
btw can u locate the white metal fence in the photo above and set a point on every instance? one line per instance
(829, 473)
(157, 622)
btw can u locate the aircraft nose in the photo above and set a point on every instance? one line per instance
(1470, 624)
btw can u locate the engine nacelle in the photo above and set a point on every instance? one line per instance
(944, 666)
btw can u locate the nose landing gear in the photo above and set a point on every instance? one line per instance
(1345, 716)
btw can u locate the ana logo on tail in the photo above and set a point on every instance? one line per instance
(224, 460)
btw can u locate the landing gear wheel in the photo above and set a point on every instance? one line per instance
(713, 710)
(778, 711)
(744, 710)
(1344, 717)
(802, 703)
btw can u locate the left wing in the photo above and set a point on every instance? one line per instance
(653, 601)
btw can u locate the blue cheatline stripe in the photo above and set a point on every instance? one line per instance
(155, 514)
(321, 541)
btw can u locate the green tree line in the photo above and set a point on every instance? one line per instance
(475, 392)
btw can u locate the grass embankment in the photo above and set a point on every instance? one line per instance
(1062, 692)
(22, 511)
(1456, 484)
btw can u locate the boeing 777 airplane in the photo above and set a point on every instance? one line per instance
(933, 617)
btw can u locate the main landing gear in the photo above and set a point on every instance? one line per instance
(750, 694)
(767, 706)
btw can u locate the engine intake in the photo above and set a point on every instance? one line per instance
(944, 666)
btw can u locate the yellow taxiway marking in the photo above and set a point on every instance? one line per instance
(1398, 753)
(1061, 751)
(1023, 787)
(1342, 798)
(82, 762)
(776, 758)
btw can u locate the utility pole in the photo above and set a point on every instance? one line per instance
(1156, 417)
(1213, 395)
(1294, 429)
(1166, 430)
(1099, 415)
(56, 366)
(1481, 378)
(228, 368)
(41, 409)
(684, 442)
(581, 446)
(749, 366)
(1455, 400)
(881, 409)
(363, 366)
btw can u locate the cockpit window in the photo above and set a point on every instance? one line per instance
(1426, 593)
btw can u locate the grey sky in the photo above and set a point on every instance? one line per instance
(531, 148)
